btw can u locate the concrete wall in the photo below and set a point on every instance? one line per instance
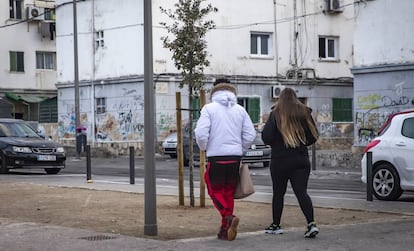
(384, 64)
(383, 33)
(394, 91)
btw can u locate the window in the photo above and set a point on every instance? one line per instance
(48, 111)
(45, 60)
(328, 48)
(50, 14)
(260, 44)
(99, 39)
(252, 106)
(15, 7)
(100, 105)
(16, 61)
(408, 128)
(341, 110)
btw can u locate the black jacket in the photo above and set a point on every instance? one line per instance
(272, 136)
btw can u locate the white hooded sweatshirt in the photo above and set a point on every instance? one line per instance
(224, 127)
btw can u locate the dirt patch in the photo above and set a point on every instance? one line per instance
(123, 213)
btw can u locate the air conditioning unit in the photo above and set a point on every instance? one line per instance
(335, 6)
(276, 90)
(35, 13)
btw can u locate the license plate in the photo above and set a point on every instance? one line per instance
(170, 145)
(46, 157)
(254, 153)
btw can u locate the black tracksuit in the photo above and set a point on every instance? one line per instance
(287, 164)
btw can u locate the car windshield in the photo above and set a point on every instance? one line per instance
(17, 130)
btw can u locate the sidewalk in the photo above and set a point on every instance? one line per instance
(396, 235)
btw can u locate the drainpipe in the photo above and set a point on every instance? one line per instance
(93, 102)
(275, 38)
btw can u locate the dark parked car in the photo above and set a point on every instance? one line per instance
(22, 147)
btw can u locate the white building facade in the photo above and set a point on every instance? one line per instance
(28, 61)
(261, 46)
(383, 64)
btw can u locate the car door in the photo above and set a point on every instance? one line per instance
(403, 149)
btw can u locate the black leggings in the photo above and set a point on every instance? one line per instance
(297, 170)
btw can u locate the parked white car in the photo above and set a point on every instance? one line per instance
(169, 145)
(392, 157)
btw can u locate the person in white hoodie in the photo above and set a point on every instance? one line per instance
(224, 130)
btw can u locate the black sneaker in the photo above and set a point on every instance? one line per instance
(312, 230)
(274, 229)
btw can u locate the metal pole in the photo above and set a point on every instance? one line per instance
(313, 157)
(131, 165)
(88, 164)
(76, 81)
(150, 226)
(369, 176)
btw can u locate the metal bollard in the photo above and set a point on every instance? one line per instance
(88, 164)
(313, 157)
(131, 165)
(369, 176)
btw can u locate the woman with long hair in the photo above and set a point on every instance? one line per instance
(289, 130)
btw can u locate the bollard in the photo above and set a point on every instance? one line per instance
(131, 165)
(88, 164)
(369, 176)
(313, 157)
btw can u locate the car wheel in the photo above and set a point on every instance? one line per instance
(3, 167)
(386, 182)
(173, 156)
(52, 170)
(266, 163)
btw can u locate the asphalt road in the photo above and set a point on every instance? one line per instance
(321, 183)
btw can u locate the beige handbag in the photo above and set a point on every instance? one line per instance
(245, 186)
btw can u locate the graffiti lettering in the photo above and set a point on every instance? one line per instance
(388, 101)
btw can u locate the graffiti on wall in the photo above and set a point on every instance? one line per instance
(124, 119)
(166, 122)
(67, 121)
(377, 109)
(326, 127)
(324, 114)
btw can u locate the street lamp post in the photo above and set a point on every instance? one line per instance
(150, 227)
(76, 71)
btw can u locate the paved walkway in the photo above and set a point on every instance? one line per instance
(396, 235)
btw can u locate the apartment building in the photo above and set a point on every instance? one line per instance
(261, 46)
(28, 61)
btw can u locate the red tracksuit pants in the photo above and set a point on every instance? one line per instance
(221, 177)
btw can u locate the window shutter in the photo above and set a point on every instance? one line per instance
(253, 109)
(341, 110)
(48, 111)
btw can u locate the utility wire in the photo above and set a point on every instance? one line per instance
(226, 27)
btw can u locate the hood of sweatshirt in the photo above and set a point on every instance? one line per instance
(224, 94)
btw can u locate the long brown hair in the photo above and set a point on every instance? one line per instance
(293, 119)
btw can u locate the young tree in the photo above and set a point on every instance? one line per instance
(189, 53)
